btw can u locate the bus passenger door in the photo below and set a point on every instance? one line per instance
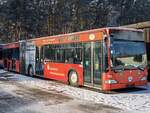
(87, 64)
(92, 64)
(39, 68)
(97, 63)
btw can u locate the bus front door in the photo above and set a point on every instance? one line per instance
(92, 64)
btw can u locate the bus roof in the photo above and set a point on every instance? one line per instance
(88, 31)
(11, 45)
(15, 44)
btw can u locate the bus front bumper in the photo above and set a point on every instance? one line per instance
(108, 87)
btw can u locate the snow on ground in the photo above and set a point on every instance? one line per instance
(2, 71)
(137, 101)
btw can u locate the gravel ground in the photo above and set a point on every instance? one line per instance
(22, 94)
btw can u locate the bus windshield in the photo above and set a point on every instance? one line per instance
(128, 53)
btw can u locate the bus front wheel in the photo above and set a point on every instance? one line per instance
(73, 78)
(30, 71)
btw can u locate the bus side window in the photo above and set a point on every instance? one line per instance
(73, 56)
(49, 53)
(78, 56)
(69, 56)
(60, 55)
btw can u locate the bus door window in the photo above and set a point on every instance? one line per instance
(87, 63)
(98, 58)
(105, 53)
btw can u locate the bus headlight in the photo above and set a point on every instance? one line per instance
(143, 78)
(130, 79)
(111, 82)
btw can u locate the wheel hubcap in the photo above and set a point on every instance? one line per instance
(74, 77)
(31, 72)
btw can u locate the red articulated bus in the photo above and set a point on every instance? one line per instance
(107, 58)
(11, 60)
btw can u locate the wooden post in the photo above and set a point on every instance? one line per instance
(147, 35)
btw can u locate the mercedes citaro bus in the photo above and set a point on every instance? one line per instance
(106, 58)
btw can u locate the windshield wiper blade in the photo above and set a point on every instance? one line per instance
(141, 67)
(118, 68)
(130, 67)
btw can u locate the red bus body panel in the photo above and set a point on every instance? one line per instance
(17, 66)
(64, 39)
(123, 79)
(9, 62)
(60, 71)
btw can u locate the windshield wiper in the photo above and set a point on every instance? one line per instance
(118, 68)
(141, 67)
(130, 67)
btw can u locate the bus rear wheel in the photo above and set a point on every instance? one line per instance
(73, 78)
(30, 71)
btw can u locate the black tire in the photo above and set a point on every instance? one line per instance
(30, 71)
(73, 78)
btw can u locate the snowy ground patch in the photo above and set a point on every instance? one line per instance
(137, 101)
